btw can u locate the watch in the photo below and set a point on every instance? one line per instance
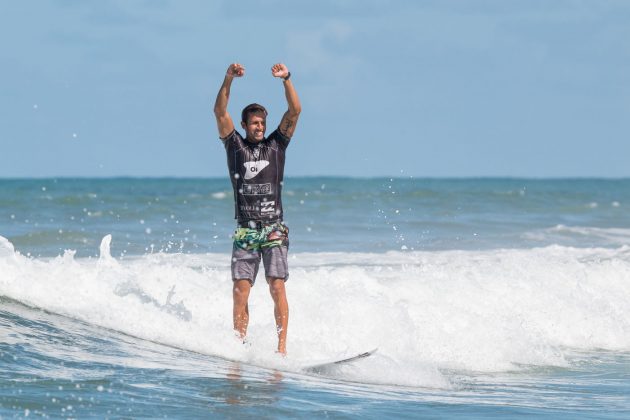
(288, 77)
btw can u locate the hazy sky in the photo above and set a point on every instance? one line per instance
(531, 88)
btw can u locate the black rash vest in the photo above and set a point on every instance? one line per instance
(256, 171)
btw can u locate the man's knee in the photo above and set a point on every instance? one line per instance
(276, 286)
(240, 291)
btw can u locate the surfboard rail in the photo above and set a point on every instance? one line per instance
(322, 366)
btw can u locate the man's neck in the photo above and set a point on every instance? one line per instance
(254, 142)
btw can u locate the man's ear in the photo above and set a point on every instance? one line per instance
(243, 125)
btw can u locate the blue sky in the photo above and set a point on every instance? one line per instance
(449, 88)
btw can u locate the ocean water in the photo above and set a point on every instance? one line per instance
(485, 298)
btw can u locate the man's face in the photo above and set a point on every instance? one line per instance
(255, 127)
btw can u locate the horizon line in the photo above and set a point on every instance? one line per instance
(405, 177)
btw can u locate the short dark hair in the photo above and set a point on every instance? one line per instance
(252, 109)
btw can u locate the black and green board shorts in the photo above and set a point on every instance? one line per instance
(269, 242)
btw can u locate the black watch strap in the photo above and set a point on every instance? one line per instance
(288, 77)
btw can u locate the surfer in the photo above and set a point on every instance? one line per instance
(256, 168)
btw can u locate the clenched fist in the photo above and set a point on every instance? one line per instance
(279, 70)
(235, 70)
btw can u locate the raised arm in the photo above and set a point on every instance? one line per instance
(224, 121)
(290, 118)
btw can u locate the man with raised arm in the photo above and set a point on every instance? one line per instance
(256, 166)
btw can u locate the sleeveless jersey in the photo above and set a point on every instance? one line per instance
(256, 172)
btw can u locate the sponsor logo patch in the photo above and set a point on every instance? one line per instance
(267, 206)
(256, 189)
(254, 168)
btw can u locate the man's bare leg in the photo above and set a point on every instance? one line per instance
(280, 310)
(240, 294)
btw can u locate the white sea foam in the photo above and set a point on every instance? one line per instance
(427, 312)
(6, 248)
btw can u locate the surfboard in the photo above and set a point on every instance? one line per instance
(322, 366)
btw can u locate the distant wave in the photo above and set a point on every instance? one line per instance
(560, 233)
(219, 195)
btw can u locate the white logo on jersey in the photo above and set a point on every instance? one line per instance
(254, 168)
(267, 206)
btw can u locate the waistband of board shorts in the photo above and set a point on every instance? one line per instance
(258, 224)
